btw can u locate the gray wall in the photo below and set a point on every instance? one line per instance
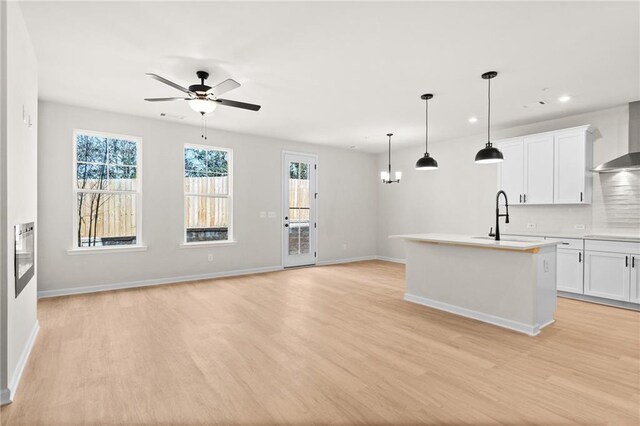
(347, 202)
(460, 196)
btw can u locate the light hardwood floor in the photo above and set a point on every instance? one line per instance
(333, 344)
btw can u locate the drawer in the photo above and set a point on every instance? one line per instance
(612, 246)
(569, 243)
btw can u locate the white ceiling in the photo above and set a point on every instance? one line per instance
(343, 73)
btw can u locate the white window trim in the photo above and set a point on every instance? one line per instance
(139, 246)
(230, 234)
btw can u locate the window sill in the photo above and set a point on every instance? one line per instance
(208, 244)
(96, 250)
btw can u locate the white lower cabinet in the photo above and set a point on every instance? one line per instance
(607, 275)
(600, 268)
(570, 271)
(635, 278)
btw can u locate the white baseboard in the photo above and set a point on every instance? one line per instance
(391, 259)
(7, 395)
(154, 282)
(480, 316)
(346, 260)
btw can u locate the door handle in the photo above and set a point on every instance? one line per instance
(286, 225)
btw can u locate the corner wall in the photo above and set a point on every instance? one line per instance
(347, 203)
(19, 179)
(460, 196)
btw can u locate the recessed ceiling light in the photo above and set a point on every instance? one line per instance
(564, 98)
(473, 119)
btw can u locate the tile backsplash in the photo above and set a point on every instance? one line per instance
(616, 201)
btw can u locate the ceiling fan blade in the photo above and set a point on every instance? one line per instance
(237, 104)
(167, 82)
(224, 87)
(166, 99)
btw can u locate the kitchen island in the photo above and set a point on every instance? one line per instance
(509, 283)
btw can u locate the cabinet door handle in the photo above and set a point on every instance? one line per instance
(626, 261)
(525, 198)
(520, 197)
(579, 257)
(581, 197)
(633, 261)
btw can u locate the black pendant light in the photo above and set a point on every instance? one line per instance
(385, 175)
(489, 154)
(427, 162)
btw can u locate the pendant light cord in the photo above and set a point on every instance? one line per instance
(389, 157)
(489, 113)
(426, 137)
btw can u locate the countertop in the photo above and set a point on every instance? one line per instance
(597, 236)
(469, 240)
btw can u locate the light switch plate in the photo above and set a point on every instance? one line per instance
(578, 226)
(531, 226)
(263, 215)
(272, 215)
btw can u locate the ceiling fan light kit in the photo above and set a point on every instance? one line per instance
(426, 162)
(202, 106)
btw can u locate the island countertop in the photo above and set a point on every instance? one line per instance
(507, 243)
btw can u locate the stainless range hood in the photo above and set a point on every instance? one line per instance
(630, 161)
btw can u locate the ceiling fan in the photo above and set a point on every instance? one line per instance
(202, 98)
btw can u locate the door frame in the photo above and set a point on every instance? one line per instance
(313, 200)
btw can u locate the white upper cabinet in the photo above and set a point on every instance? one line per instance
(572, 160)
(547, 168)
(510, 172)
(538, 171)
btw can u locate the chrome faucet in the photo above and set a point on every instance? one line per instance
(498, 215)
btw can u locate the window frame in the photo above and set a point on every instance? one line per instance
(138, 246)
(229, 196)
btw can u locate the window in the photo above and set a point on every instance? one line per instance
(107, 187)
(207, 194)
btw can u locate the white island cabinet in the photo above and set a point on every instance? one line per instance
(509, 283)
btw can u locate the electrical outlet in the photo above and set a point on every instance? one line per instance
(545, 265)
(263, 215)
(578, 226)
(210, 257)
(531, 226)
(344, 246)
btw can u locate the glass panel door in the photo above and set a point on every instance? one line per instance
(299, 210)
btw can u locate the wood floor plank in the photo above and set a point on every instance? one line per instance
(326, 345)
